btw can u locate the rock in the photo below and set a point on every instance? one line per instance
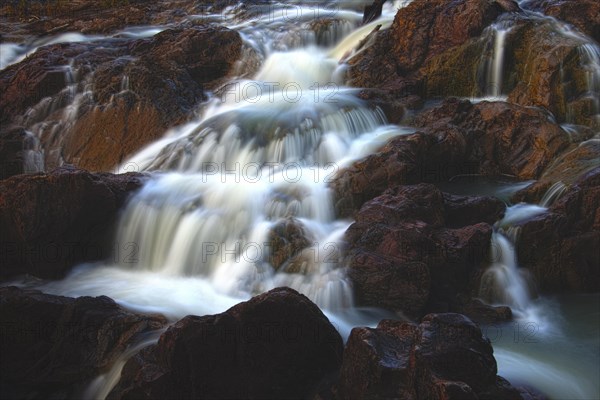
(456, 138)
(52, 346)
(468, 210)
(504, 139)
(420, 31)
(444, 357)
(131, 91)
(482, 313)
(564, 171)
(286, 239)
(373, 11)
(50, 222)
(583, 14)
(95, 16)
(560, 247)
(276, 345)
(402, 256)
(548, 70)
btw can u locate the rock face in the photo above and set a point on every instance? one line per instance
(444, 357)
(52, 346)
(456, 138)
(408, 252)
(130, 91)
(420, 31)
(560, 247)
(19, 152)
(50, 222)
(276, 345)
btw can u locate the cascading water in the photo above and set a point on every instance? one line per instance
(495, 67)
(196, 238)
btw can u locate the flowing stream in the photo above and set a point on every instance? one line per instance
(195, 238)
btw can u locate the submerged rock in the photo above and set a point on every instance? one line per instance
(52, 346)
(51, 222)
(276, 345)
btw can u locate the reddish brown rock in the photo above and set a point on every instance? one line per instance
(456, 138)
(286, 239)
(583, 14)
(53, 346)
(51, 222)
(560, 247)
(444, 357)
(420, 31)
(139, 88)
(276, 345)
(402, 255)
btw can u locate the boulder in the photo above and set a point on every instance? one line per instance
(420, 31)
(51, 222)
(443, 357)
(276, 345)
(402, 255)
(560, 247)
(455, 138)
(52, 346)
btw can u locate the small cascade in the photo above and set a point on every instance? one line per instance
(505, 282)
(493, 64)
(589, 54)
(553, 193)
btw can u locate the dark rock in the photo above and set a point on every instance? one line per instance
(52, 346)
(444, 357)
(482, 313)
(276, 345)
(560, 247)
(402, 255)
(468, 210)
(373, 11)
(19, 152)
(50, 222)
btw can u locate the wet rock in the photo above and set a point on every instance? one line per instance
(482, 313)
(286, 239)
(560, 247)
(548, 69)
(469, 210)
(51, 222)
(52, 346)
(129, 91)
(276, 345)
(420, 31)
(402, 256)
(583, 14)
(456, 138)
(373, 11)
(563, 172)
(19, 152)
(39, 17)
(444, 357)
(504, 139)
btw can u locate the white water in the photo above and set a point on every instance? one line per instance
(194, 239)
(496, 69)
